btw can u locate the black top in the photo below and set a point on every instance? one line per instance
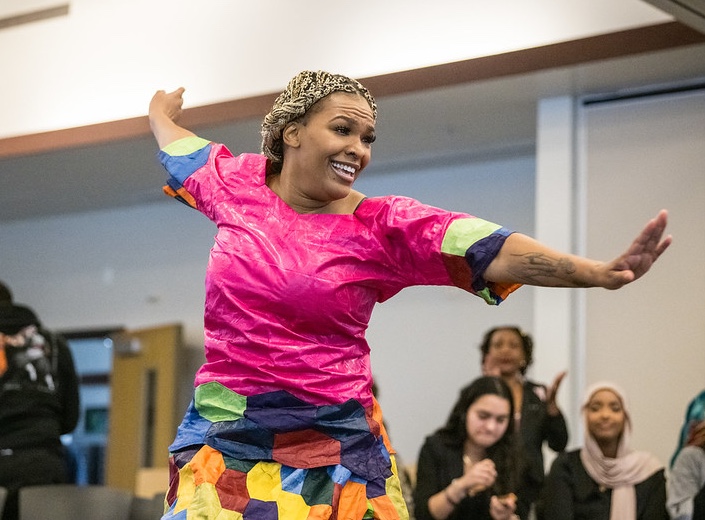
(569, 493)
(537, 427)
(38, 389)
(438, 464)
(699, 505)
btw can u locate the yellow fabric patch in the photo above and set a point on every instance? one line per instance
(187, 488)
(226, 514)
(264, 481)
(394, 493)
(205, 503)
(292, 506)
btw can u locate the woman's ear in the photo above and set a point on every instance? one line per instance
(290, 135)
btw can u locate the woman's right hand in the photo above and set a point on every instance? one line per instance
(168, 104)
(479, 476)
(164, 111)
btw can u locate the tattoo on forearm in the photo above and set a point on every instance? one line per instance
(536, 268)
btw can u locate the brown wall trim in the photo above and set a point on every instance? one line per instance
(614, 45)
(35, 16)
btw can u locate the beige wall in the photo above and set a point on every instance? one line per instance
(643, 155)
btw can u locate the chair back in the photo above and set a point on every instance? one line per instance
(72, 502)
(3, 497)
(147, 508)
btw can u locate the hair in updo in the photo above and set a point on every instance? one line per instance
(302, 92)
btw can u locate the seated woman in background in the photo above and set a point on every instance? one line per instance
(686, 482)
(469, 467)
(507, 352)
(606, 479)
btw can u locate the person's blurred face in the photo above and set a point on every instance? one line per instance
(605, 416)
(505, 355)
(487, 420)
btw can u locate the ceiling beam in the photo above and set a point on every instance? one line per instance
(574, 52)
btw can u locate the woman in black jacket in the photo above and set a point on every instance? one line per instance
(38, 401)
(469, 468)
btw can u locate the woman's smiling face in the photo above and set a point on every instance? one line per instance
(326, 150)
(605, 416)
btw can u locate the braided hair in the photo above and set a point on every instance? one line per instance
(302, 92)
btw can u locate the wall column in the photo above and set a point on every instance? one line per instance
(556, 328)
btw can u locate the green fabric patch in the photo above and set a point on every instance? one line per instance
(464, 232)
(243, 466)
(185, 146)
(317, 487)
(216, 403)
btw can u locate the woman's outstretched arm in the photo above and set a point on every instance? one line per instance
(525, 260)
(164, 112)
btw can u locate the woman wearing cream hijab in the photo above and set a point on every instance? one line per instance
(606, 479)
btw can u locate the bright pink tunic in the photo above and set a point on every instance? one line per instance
(289, 296)
(287, 383)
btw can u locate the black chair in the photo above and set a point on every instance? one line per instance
(3, 497)
(72, 502)
(147, 508)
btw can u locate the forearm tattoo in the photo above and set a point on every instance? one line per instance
(539, 269)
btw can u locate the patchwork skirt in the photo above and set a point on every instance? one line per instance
(205, 484)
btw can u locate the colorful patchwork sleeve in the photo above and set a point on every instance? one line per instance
(181, 159)
(469, 246)
(433, 246)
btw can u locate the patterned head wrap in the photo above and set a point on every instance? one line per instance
(302, 92)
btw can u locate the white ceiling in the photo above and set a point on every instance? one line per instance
(475, 119)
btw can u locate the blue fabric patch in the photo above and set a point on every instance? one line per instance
(241, 439)
(191, 431)
(280, 412)
(481, 254)
(339, 474)
(183, 166)
(292, 479)
(258, 510)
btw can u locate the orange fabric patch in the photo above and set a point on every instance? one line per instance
(384, 508)
(320, 512)
(377, 427)
(207, 466)
(353, 502)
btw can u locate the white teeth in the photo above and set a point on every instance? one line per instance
(344, 167)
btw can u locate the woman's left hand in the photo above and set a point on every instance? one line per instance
(551, 394)
(502, 508)
(639, 257)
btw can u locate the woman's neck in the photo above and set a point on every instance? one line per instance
(609, 448)
(302, 204)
